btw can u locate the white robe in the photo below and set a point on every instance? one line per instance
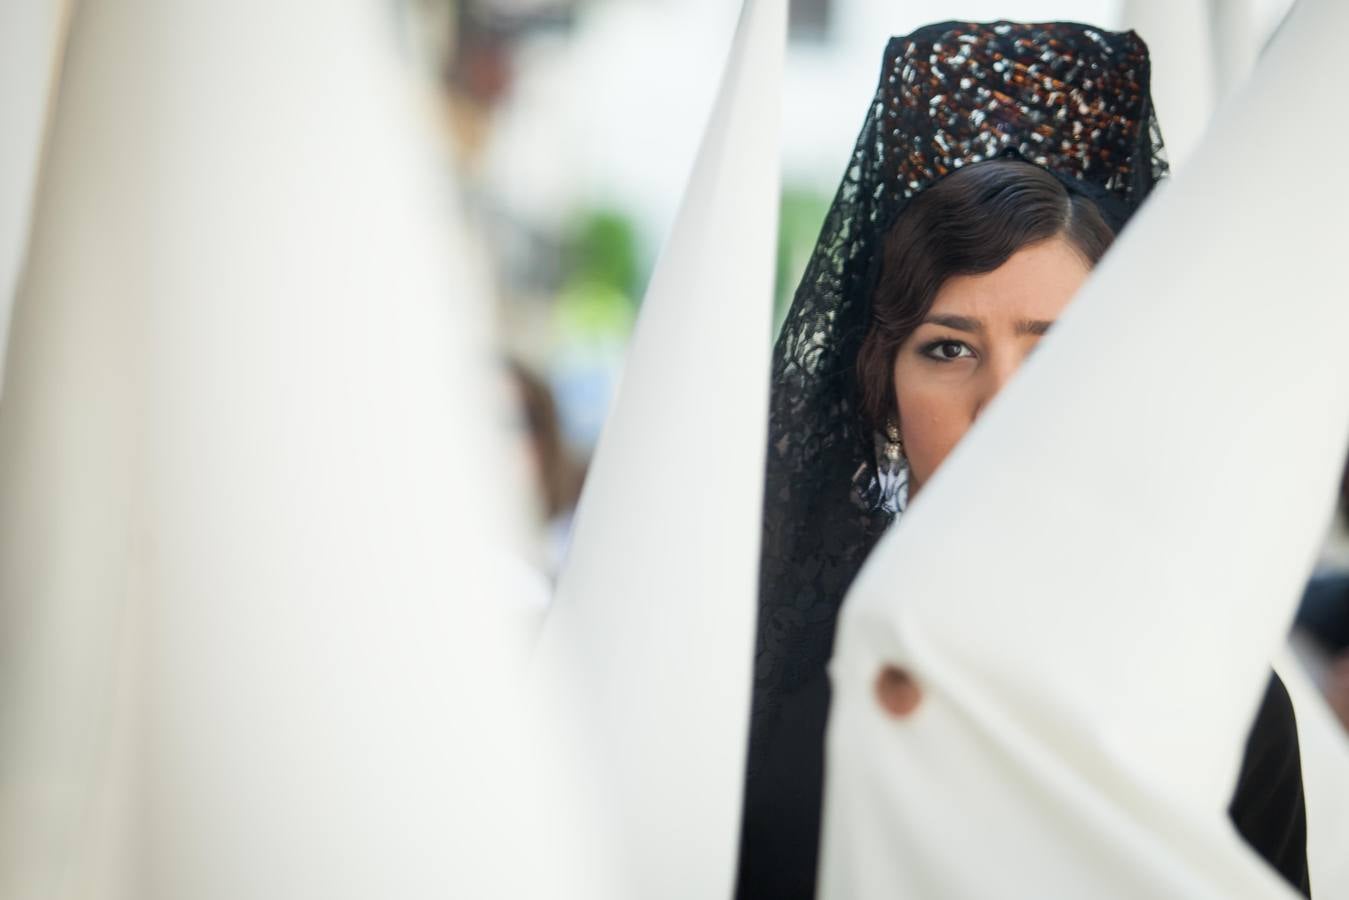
(249, 559)
(1090, 590)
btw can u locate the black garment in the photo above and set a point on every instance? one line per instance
(1324, 613)
(779, 854)
(780, 832)
(1268, 807)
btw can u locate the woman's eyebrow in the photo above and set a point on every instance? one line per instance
(1033, 326)
(959, 323)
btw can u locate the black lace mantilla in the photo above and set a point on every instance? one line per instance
(1072, 98)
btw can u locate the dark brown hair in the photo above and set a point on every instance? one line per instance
(970, 222)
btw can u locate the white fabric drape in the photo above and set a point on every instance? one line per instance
(655, 601)
(1236, 43)
(252, 643)
(1090, 590)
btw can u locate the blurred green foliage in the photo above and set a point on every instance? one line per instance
(602, 277)
(603, 250)
(605, 274)
(801, 214)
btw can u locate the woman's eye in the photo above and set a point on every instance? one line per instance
(946, 350)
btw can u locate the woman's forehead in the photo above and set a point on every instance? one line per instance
(1036, 283)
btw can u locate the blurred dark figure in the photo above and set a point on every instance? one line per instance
(557, 475)
(479, 65)
(1323, 625)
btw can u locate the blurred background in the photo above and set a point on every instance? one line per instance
(573, 125)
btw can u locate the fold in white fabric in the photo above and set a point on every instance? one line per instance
(1185, 82)
(1090, 591)
(655, 602)
(32, 33)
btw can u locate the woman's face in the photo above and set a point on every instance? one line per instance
(979, 331)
